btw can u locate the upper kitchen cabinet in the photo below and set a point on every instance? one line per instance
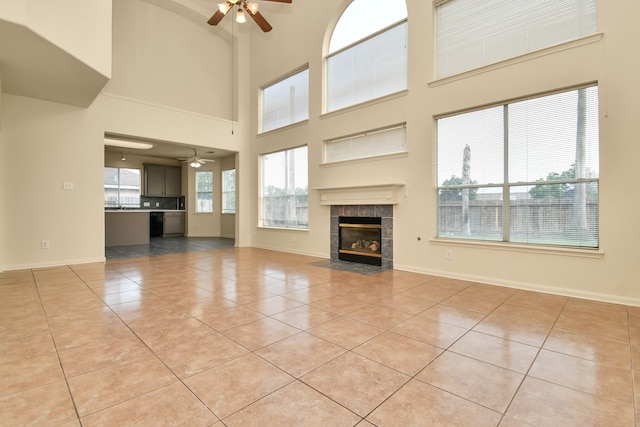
(162, 180)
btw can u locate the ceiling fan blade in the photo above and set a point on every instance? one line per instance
(262, 23)
(279, 1)
(216, 18)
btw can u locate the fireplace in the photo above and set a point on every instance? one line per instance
(360, 239)
(362, 234)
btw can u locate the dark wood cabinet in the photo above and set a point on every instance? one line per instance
(161, 180)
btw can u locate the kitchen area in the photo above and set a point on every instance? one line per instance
(160, 212)
(151, 191)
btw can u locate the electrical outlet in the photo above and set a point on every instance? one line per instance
(67, 185)
(448, 254)
(44, 244)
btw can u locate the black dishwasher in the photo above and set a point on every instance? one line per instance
(156, 224)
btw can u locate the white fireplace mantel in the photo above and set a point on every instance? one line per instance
(375, 194)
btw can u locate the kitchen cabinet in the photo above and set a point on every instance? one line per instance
(161, 180)
(126, 228)
(173, 223)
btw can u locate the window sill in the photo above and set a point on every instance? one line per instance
(514, 247)
(594, 38)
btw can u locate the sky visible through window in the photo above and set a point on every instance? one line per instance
(364, 17)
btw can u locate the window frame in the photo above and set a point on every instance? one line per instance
(226, 191)
(507, 184)
(119, 186)
(291, 108)
(365, 137)
(284, 223)
(198, 192)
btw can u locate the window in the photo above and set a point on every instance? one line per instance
(121, 187)
(524, 172)
(229, 191)
(367, 53)
(204, 191)
(369, 144)
(285, 189)
(286, 102)
(473, 33)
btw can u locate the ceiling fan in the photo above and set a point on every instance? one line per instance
(244, 6)
(194, 161)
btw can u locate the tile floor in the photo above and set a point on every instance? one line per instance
(250, 337)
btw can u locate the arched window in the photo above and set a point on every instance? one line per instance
(367, 56)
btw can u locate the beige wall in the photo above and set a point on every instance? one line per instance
(611, 60)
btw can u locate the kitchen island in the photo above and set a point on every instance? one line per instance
(128, 226)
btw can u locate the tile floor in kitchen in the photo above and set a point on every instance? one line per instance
(251, 337)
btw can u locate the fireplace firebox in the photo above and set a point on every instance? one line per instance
(360, 239)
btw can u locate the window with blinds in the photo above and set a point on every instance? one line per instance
(524, 172)
(285, 189)
(285, 102)
(473, 33)
(377, 142)
(367, 56)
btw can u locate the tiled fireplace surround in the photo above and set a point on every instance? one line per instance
(385, 212)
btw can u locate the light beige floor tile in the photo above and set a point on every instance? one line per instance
(233, 385)
(109, 386)
(87, 334)
(172, 405)
(25, 374)
(401, 353)
(230, 318)
(305, 317)
(583, 375)
(201, 354)
(173, 334)
(260, 333)
(294, 405)
(285, 354)
(273, 305)
(97, 355)
(497, 351)
(340, 304)
(453, 315)
(356, 382)
(422, 405)
(539, 315)
(26, 347)
(406, 303)
(430, 331)
(380, 317)
(345, 332)
(540, 403)
(585, 324)
(469, 303)
(47, 405)
(480, 382)
(590, 348)
(514, 329)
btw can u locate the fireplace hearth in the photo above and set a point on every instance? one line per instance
(362, 234)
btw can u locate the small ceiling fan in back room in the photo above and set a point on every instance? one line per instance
(243, 7)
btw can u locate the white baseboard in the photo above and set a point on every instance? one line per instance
(47, 264)
(566, 292)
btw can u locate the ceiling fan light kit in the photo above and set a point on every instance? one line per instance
(244, 7)
(195, 161)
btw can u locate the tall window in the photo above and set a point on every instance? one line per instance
(523, 172)
(473, 33)
(286, 102)
(121, 187)
(285, 189)
(368, 53)
(204, 191)
(229, 191)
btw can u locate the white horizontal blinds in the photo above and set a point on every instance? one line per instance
(286, 102)
(548, 148)
(376, 143)
(553, 147)
(473, 33)
(370, 69)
